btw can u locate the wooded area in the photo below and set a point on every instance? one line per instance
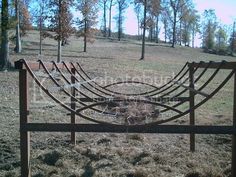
(56, 19)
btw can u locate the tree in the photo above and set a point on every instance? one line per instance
(144, 29)
(24, 17)
(137, 10)
(111, 4)
(190, 23)
(88, 9)
(165, 21)
(184, 10)
(40, 12)
(122, 5)
(176, 14)
(104, 4)
(18, 38)
(154, 10)
(208, 31)
(195, 25)
(22, 21)
(233, 40)
(61, 22)
(221, 38)
(4, 55)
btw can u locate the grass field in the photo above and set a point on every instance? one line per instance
(118, 155)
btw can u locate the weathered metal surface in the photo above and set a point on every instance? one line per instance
(102, 95)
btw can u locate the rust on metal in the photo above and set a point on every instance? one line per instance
(169, 98)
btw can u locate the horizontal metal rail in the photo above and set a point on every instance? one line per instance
(164, 99)
(178, 129)
(214, 65)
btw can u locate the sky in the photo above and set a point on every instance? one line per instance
(225, 11)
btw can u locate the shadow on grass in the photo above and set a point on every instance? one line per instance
(37, 44)
(34, 49)
(160, 45)
(69, 56)
(50, 50)
(136, 42)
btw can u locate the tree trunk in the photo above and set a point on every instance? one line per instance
(138, 26)
(40, 35)
(193, 37)
(18, 38)
(119, 24)
(232, 40)
(157, 29)
(59, 35)
(174, 30)
(4, 59)
(144, 30)
(165, 26)
(109, 35)
(105, 21)
(150, 33)
(85, 35)
(180, 33)
(59, 52)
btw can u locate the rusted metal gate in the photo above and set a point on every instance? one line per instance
(103, 95)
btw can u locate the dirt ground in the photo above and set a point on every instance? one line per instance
(105, 154)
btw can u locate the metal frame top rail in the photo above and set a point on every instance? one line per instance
(214, 65)
(35, 65)
(27, 68)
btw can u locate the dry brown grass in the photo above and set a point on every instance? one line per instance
(118, 155)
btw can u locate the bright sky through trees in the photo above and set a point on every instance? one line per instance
(225, 11)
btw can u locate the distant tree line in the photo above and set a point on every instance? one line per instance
(55, 19)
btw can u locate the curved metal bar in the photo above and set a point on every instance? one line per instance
(68, 94)
(131, 82)
(197, 105)
(82, 84)
(174, 106)
(68, 82)
(153, 123)
(174, 84)
(89, 83)
(140, 94)
(197, 79)
(207, 82)
(212, 76)
(179, 86)
(130, 100)
(58, 101)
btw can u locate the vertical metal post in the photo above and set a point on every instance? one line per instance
(73, 136)
(234, 136)
(24, 135)
(191, 105)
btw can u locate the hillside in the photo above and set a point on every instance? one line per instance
(118, 155)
